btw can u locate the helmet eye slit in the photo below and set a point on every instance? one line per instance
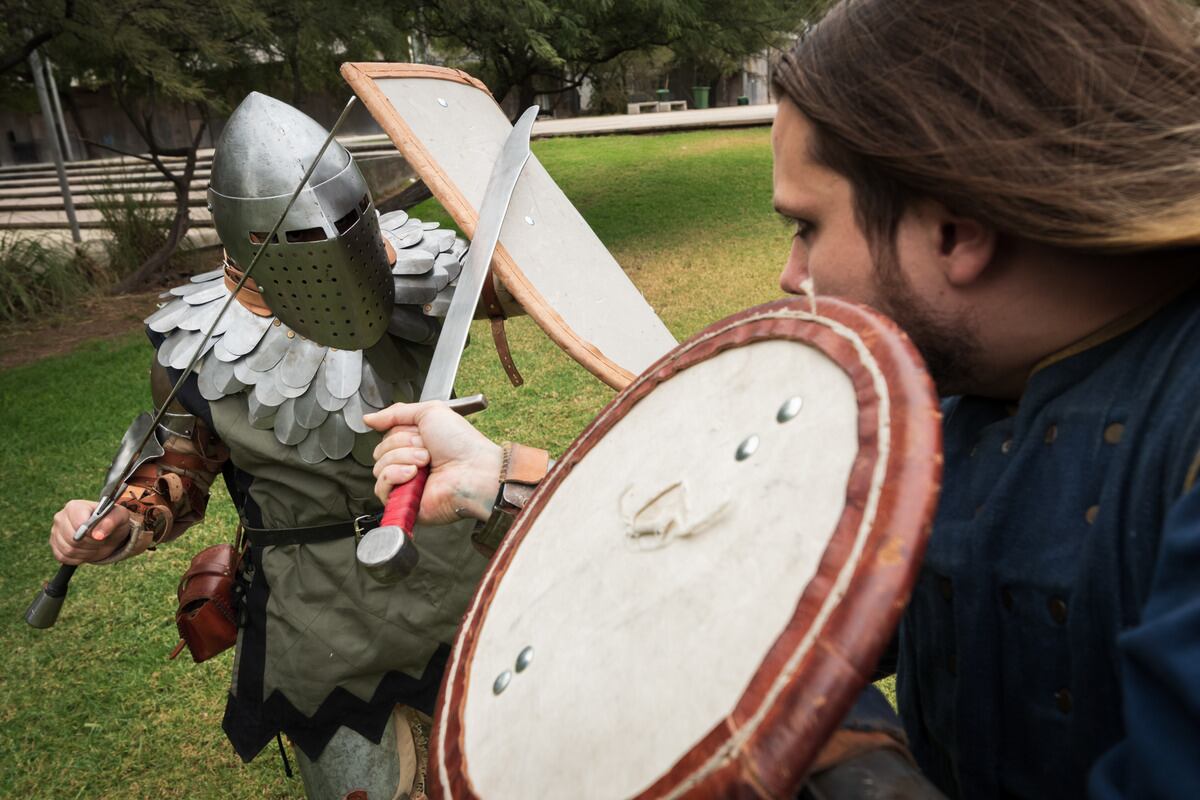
(306, 235)
(347, 222)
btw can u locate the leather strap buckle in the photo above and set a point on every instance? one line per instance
(361, 524)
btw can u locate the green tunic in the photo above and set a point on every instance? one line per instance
(330, 624)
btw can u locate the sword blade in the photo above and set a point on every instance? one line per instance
(439, 382)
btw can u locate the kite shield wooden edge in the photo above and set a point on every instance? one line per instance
(791, 708)
(362, 76)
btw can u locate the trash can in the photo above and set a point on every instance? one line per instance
(700, 94)
(743, 100)
(663, 95)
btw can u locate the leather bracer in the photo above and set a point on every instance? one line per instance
(521, 470)
(170, 493)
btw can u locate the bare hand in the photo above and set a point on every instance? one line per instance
(465, 466)
(101, 541)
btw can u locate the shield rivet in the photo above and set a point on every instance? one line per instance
(528, 220)
(502, 681)
(442, 103)
(747, 447)
(790, 408)
(524, 659)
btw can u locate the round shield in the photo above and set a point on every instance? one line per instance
(704, 582)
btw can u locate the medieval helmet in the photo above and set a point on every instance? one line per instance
(325, 273)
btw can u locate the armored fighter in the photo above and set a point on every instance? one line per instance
(338, 319)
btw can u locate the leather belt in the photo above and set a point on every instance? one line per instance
(270, 537)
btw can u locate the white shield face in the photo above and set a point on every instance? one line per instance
(663, 612)
(661, 581)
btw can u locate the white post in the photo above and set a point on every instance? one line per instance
(58, 115)
(39, 83)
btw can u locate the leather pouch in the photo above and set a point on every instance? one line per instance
(207, 613)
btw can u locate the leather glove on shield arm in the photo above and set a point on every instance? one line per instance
(867, 758)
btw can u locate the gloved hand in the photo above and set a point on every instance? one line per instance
(867, 758)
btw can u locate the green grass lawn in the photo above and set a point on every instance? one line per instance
(92, 708)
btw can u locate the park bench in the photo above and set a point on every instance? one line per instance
(651, 106)
(639, 107)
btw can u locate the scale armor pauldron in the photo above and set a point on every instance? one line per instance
(311, 396)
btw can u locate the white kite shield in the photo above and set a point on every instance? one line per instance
(449, 128)
(704, 582)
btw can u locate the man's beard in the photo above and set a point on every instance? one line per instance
(950, 347)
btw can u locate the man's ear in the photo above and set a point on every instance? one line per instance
(965, 246)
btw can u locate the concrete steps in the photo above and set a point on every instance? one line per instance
(30, 203)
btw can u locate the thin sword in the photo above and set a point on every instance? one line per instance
(43, 611)
(98, 514)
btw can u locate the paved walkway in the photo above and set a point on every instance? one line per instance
(31, 204)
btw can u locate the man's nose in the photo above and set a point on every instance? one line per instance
(795, 271)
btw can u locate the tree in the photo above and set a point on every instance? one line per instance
(25, 26)
(160, 55)
(311, 38)
(157, 56)
(519, 44)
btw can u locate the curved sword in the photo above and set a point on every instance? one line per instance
(387, 552)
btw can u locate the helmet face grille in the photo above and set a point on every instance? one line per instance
(338, 292)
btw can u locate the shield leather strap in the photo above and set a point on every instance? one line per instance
(496, 316)
(697, 591)
(450, 130)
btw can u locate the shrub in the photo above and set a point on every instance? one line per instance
(37, 277)
(136, 224)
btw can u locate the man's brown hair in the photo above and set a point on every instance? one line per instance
(1074, 123)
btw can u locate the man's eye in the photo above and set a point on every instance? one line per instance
(803, 228)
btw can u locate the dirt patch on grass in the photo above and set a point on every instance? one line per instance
(96, 316)
(91, 319)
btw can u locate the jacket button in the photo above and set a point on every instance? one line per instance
(1058, 609)
(1113, 433)
(1062, 700)
(1051, 434)
(1091, 514)
(1006, 447)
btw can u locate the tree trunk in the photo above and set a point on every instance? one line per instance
(526, 94)
(294, 69)
(409, 197)
(180, 225)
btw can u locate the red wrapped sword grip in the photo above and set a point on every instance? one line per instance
(404, 501)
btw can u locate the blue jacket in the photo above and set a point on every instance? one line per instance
(1052, 645)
